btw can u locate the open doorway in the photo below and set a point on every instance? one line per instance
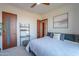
(41, 28)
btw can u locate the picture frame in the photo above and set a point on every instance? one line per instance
(60, 21)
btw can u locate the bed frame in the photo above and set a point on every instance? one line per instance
(32, 52)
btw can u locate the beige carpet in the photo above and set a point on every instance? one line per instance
(15, 51)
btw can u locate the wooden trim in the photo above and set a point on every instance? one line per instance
(9, 13)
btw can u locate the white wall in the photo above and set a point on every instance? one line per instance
(73, 21)
(22, 17)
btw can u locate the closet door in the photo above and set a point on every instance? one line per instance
(9, 30)
(38, 28)
(43, 29)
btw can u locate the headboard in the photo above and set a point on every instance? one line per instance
(65, 36)
(71, 37)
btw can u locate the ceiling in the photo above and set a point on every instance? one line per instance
(40, 9)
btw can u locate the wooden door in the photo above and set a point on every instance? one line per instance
(9, 30)
(38, 28)
(44, 27)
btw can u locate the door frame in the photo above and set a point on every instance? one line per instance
(15, 26)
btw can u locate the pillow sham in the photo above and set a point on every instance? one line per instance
(56, 36)
(51, 35)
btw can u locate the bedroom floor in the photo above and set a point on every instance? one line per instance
(15, 51)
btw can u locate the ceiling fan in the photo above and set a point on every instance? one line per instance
(39, 3)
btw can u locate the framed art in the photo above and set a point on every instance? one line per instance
(60, 21)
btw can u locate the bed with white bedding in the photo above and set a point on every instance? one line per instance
(52, 47)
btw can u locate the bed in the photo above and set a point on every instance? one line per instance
(47, 46)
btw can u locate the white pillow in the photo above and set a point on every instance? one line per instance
(56, 36)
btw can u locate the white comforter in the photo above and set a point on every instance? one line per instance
(51, 47)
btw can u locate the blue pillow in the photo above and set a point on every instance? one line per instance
(50, 34)
(62, 37)
(70, 37)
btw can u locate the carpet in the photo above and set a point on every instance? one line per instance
(15, 51)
